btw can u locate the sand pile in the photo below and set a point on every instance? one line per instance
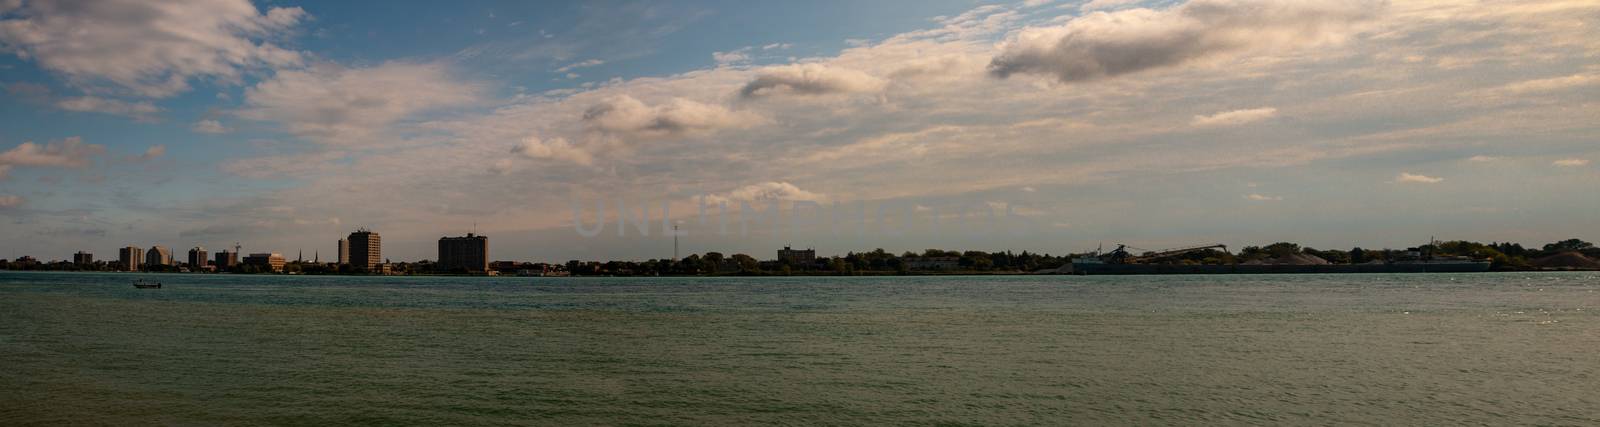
(1567, 260)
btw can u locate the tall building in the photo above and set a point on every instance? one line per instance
(226, 260)
(344, 251)
(82, 258)
(132, 257)
(366, 249)
(197, 258)
(158, 255)
(470, 253)
(273, 261)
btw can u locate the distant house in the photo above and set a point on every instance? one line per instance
(797, 256)
(933, 263)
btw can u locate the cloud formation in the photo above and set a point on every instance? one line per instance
(555, 149)
(209, 126)
(809, 79)
(9, 202)
(67, 153)
(1571, 163)
(1109, 44)
(144, 111)
(152, 153)
(763, 192)
(1410, 178)
(1235, 117)
(150, 49)
(352, 106)
(626, 115)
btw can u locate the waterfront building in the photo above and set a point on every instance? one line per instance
(344, 251)
(226, 259)
(797, 256)
(197, 258)
(131, 257)
(82, 258)
(273, 261)
(158, 255)
(469, 253)
(366, 250)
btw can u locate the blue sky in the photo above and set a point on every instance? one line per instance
(283, 125)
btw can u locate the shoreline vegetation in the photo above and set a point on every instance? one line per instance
(1566, 255)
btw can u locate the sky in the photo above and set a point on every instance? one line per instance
(1046, 126)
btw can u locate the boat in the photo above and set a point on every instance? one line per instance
(143, 284)
(1121, 262)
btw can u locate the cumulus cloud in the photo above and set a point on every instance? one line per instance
(810, 79)
(556, 149)
(67, 153)
(352, 106)
(1235, 117)
(623, 114)
(1104, 4)
(763, 192)
(152, 153)
(149, 48)
(1108, 44)
(1571, 163)
(1410, 178)
(737, 56)
(94, 104)
(9, 202)
(210, 126)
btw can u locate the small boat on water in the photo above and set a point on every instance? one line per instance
(142, 284)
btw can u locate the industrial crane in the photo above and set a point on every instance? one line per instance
(1120, 255)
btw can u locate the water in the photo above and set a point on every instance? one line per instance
(1439, 349)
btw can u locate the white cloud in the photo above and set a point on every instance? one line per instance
(9, 202)
(1107, 44)
(737, 56)
(1571, 163)
(580, 64)
(1482, 159)
(94, 104)
(152, 153)
(1263, 198)
(210, 126)
(623, 114)
(149, 48)
(1550, 84)
(1104, 4)
(777, 46)
(555, 148)
(353, 106)
(1235, 117)
(763, 192)
(810, 79)
(1406, 177)
(67, 153)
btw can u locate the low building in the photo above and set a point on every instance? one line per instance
(469, 254)
(797, 256)
(82, 258)
(267, 261)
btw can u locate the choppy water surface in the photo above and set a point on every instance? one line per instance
(1305, 349)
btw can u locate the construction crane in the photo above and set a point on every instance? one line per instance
(1120, 255)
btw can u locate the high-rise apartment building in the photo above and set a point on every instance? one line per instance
(131, 257)
(366, 250)
(344, 251)
(469, 253)
(158, 255)
(82, 258)
(226, 259)
(197, 258)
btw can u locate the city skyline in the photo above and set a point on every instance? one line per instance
(278, 125)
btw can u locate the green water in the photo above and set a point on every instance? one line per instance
(1300, 349)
